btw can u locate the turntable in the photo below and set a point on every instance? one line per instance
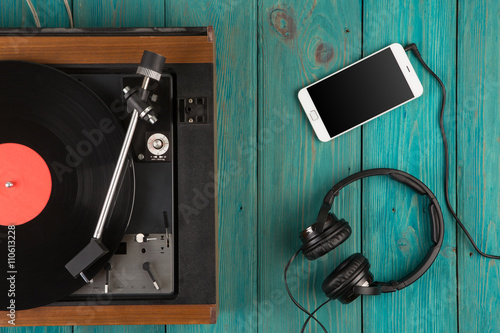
(108, 177)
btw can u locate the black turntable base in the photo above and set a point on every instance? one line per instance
(62, 124)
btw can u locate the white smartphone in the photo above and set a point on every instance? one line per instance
(360, 92)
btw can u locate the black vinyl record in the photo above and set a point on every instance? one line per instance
(79, 139)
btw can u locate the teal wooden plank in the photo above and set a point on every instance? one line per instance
(234, 24)
(11, 14)
(396, 232)
(299, 43)
(478, 125)
(119, 13)
(16, 14)
(121, 329)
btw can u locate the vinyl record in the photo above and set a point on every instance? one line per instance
(59, 144)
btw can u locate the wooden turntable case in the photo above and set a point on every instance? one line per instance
(115, 46)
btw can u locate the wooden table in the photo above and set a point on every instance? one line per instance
(274, 172)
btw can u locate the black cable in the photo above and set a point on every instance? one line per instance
(312, 314)
(293, 299)
(413, 48)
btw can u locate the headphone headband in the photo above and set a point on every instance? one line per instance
(437, 225)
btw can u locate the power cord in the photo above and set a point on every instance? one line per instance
(34, 13)
(68, 10)
(37, 19)
(413, 47)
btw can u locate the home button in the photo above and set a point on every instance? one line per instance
(314, 115)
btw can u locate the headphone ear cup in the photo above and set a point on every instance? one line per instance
(334, 233)
(352, 272)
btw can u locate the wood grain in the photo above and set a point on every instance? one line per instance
(478, 135)
(123, 329)
(396, 222)
(116, 315)
(13, 14)
(22, 329)
(105, 49)
(299, 43)
(119, 13)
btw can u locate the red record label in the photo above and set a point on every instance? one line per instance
(25, 184)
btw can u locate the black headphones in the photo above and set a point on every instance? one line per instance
(353, 277)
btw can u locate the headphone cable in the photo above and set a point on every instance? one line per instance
(297, 303)
(414, 48)
(411, 47)
(312, 315)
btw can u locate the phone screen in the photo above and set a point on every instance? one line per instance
(360, 92)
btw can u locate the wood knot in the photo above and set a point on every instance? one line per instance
(403, 244)
(324, 53)
(283, 23)
(448, 251)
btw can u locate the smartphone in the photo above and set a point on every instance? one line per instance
(360, 92)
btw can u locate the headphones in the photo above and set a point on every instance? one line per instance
(353, 277)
